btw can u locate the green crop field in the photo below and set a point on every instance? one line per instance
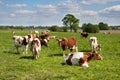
(49, 65)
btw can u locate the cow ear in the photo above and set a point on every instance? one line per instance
(65, 39)
(94, 51)
(58, 39)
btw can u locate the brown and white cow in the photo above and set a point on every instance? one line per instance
(68, 43)
(84, 34)
(81, 58)
(32, 36)
(20, 41)
(44, 39)
(35, 47)
(94, 44)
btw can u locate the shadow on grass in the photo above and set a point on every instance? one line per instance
(85, 51)
(51, 55)
(11, 52)
(27, 57)
(63, 63)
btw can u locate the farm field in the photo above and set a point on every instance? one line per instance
(50, 66)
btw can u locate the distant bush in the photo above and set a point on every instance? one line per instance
(55, 28)
(90, 28)
(65, 29)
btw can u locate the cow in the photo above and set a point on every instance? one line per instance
(53, 37)
(94, 44)
(68, 43)
(44, 39)
(84, 34)
(32, 36)
(20, 41)
(35, 47)
(81, 58)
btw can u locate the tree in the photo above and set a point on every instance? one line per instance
(70, 21)
(103, 26)
(65, 28)
(90, 28)
(54, 28)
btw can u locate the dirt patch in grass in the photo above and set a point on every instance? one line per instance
(110, 31)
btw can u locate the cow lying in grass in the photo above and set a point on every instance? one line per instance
(68, 43)
(81, 58)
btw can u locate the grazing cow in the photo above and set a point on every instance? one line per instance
(20, 41)
(44, 39)
(36, 32)
(84, 34)
(35, 47)
(81, 58)
(68, 43)
(94, 45)
(13, 32)
(53, 37)
(45, 36)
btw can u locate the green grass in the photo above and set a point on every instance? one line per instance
(49, 65)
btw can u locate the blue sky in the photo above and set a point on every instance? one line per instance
(51, 12)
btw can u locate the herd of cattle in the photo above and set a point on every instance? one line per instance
(34, 42)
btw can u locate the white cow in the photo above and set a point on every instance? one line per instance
(94, 44)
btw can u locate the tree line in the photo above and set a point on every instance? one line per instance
(71, 23)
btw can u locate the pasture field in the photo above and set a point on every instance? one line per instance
(49, 66)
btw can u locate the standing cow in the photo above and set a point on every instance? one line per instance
(68, 43)
(35, 47)
(94, 44)
(84, 34)
(20, 41)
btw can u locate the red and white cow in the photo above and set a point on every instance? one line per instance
(84, 34)
(81, 58)
(44, 39)
(68, 43)
(35, 47)
(32, 36)
(20, 41)
(94, 44)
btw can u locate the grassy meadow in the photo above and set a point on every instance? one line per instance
(49, 65)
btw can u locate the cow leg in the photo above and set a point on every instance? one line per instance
(85, 64)
(71, 50)
(26, 49)
(23, 49)
(64, 50)
(64, 53)
(76, 48)
(17, 49)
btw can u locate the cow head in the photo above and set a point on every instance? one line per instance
(97, 56)
(62, 41)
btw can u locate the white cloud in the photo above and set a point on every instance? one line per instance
(1, 2)
(16, 5)
(109, 9)
(88, 2)
(12, 15)
(68, 6)
(25, 12)
(89, 12)
(47, 10)
(113, 11)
